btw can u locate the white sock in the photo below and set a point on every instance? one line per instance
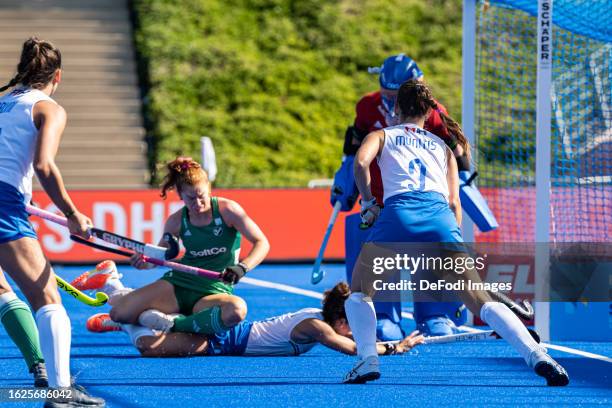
(55, 335)
(115, 290)
(509, 327)
(112, 285)
(7, 297)
(135, 332)
(362, 320)
(118, 294)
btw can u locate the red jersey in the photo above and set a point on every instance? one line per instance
(371, 116)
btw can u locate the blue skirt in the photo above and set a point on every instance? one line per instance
(14, 223)
(231, 343)
(416, 217)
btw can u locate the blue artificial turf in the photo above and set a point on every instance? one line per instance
(466, 374)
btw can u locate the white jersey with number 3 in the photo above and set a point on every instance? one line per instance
(18, 136)
(272, 337)
(412, 159)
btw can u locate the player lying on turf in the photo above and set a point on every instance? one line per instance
(286, 335)
(419, 175)
(210, 229)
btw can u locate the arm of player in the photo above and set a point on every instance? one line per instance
(452, 179)
(235, 216)
(50, 119)
(173, 227)
(370, 148)
(409, 342)
(323, 333)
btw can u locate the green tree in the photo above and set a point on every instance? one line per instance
(274, 83)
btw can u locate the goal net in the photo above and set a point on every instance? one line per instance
(505, 111)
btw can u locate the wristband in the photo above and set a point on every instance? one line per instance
(69, 213)
(365, 204)
(389, 348)
(243, 266)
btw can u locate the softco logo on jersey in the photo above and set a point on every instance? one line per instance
(209, 251)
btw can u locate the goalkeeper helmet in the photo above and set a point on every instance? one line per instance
(396, 70)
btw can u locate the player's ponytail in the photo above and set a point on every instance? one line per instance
(415, 99)
(14, 81)
(454, 130)
(180, 172)
(333, 302)
(39, 62)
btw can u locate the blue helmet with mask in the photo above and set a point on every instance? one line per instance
(396, 70)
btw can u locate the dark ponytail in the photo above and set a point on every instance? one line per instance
(333, 303)
(455, 132)
(38, 64)
(415, 100)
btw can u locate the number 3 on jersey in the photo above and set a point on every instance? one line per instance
(412, 167)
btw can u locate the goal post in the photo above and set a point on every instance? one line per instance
(540, 114)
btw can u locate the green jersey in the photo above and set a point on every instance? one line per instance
(214, 247)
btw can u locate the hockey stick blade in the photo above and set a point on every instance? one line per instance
(100, 299)
(524, 310)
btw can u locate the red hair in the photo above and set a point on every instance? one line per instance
(182, 171)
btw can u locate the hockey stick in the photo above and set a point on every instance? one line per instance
(159, 262)
(485, 335)
(474, 336)
(156, 261)
(317, 273)
(524, 310)
(119, 240)
(100, 299)
(101, 247)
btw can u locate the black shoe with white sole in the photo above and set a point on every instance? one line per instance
(364, 371)
(72, 397)
(39, 372)
(546, 367)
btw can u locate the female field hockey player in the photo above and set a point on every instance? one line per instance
(31, 125)
(419, 175)
(287, 335)
(210, 229)
(375, 111)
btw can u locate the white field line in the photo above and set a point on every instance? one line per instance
(318, 295)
